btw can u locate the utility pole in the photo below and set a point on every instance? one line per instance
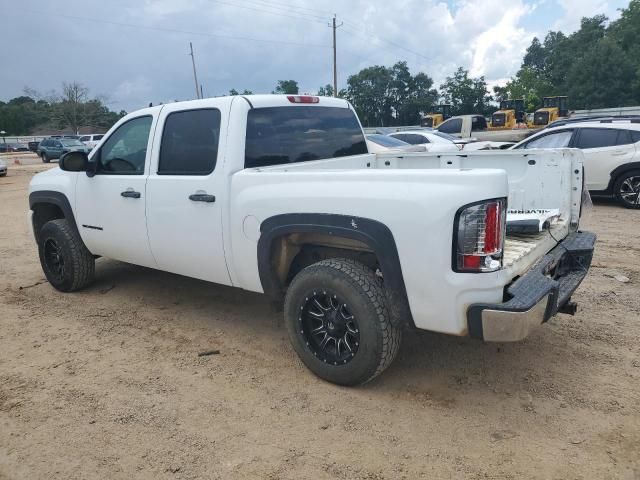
(195, 75)
(335, 65)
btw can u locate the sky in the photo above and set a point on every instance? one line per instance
(135, 52)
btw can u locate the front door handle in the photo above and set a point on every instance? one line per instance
(130, 194)
(202, 197)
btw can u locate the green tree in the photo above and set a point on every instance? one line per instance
(287, 87)
(326, 91)
(466, 94)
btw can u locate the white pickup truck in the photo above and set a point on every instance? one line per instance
(278, 194)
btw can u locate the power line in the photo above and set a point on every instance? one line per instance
(173, 30)
(268, 11)
(287, 9)
(397, 45)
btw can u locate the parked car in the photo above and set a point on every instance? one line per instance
(65, 136)
(278, 194)
(426, 138)
(13, 147)
(377, 143)
(33, 146)
(91, 140)
(611, 154)
(3, 168)
(52, 148)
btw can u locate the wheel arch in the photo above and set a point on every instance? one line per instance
(616, 172)
(50, 205)
(284, 237)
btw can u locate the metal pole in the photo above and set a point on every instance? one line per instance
(195, 75)
(335, 55)
(335, 67)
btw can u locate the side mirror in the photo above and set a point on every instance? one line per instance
(74, 162)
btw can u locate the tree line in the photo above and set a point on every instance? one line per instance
(597, 66)
(70, 109)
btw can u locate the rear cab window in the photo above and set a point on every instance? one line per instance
(451, 126)
(280, 135)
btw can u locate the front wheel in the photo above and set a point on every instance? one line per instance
(45, 158)
(65, 260)
(627, 189)
(338, 321)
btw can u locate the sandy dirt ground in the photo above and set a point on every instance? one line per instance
(107, 382)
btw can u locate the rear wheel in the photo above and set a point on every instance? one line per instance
(65, 260)
(338, 322)
(45, 157)
(627, 189)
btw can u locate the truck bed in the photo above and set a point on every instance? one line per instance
(521, 249)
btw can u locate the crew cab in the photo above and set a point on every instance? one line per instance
(279, 195)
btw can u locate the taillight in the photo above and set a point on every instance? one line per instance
(303, 99)
(479, 236)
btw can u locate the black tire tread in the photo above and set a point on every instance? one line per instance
(83, 260)
(365, 280)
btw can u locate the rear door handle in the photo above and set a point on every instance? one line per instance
(130, 194)
(617, 153)
(202, 197)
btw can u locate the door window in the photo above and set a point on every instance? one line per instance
(451, 126)
(86, 138)
(635, 135)
(190, 143)
(125, 151)
(553, 140)
(598, 138)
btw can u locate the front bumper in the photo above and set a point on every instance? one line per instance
(536, 296)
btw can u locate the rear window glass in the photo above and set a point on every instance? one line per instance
(598, 138)
(451, 126)
(278, 135)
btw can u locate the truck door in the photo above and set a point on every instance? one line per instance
(186, 192)
(110, 205)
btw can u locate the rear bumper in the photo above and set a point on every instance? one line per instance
(536, 296)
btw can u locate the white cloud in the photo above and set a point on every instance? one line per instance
(136, 52)
(575, 10)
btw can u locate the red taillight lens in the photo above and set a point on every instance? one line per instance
(303, 99)
(480, 233)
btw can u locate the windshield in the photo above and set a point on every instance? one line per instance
(71, 142)
(386, 141)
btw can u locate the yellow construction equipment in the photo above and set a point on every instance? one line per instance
(510, 115)
(552, 109)
(438, 114)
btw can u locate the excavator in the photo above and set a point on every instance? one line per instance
(552, 109)
(510, 115)
(438, 114)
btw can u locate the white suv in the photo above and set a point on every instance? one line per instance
(611, 154)
(91, 140)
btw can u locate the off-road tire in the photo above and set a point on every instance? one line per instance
(78, 263)
(363, 291)
(45, 158)
(618, 185)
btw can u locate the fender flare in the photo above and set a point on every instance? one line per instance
(58, 199)
(374, 234)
